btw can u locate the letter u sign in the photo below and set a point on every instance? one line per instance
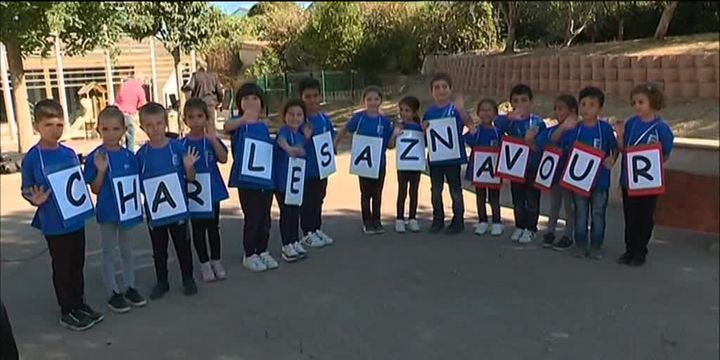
(645, 170)
(582, 169)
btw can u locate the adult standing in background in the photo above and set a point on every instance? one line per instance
(205, 85)
(130, 98)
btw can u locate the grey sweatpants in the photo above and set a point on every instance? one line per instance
(114, 236)
(560, 196)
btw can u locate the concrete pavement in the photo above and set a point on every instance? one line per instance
(392, 296)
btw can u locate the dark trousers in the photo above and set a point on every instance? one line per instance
(371, 198)
(160, 237)
(211, 227)
(311, 210)
(438, 175)
(8, 347)
(526, 205)
(639, 223)
(289, 220)
(493, 197)
(68, 260)
(407, 179)
(255, 205)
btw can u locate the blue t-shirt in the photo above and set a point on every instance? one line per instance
(36, 165)
(412, 126)
(518, 128)
(121, 162)
(434, 113)
(638, 132)
(320, 123)
(208, 162)
(294, 138)
(161, 161)
(601, 137)
(258, 131)
(376, 126)
(485, 136)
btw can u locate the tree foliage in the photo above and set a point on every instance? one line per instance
(333, 35)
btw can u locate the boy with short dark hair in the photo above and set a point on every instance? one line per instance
(48, 170)
(521, 123)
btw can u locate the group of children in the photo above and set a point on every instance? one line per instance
(117, 176)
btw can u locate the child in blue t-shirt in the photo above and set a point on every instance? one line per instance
(522, 124)
(290, 143)
(107, 162)
(370, 122)
(408, 180)
(646, 127)
(163, 157)
(64, 231)
(203, 137)
(598, 134)
(566, 110)
(255, 193)
(440, 171)
(485, 135)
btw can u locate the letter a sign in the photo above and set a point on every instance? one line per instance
(549, 164)
(165, 199)
(582, 169)
(644, 169)
(365, 156)
(442, 139)
(513, 160)
(483, 168)
(71, 193)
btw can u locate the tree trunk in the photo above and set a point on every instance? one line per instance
(179, 81)
(621, 29)
(665, 20)
(509, 13)
(20, 97)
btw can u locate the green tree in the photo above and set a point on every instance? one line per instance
(223, 50)
(27, 28)
(179, 26)
(669, 8)
(456, 26)
(334, 35)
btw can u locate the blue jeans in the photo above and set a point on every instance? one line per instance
(130, 135)
(594, 208)
(438, 175)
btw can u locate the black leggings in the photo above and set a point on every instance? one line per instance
(371, 192)
(67, 252)
(289, 220)
(407, 179)
(211, 226)
(493, 197)
(160, 237)
(639, 214)
(255, 205)
(311, 210)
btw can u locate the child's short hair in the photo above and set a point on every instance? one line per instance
(47, 109)
(413, 103)
(371, 89)
(441, 77)
(654, 94)
(308, 83)
(521, 89)
(195, 104)
(489, 101)
(111, 112)
(151, 109)
(247, 89)
(569, 101)
(592, 92)
(291, 103)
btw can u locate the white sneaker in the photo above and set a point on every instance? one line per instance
(268, 260)
(496, 229)
(481, 228)
(399, 226)
(218, 269)
(413, 225)
(517, 234)
(289, 254)
(527, 237)
(207, 273)
(299, 249)
(324, 237)
(253, 263)
(313, 241)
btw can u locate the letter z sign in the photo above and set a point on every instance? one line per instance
(645, 170)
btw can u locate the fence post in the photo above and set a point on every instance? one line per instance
(265, 87)
(322, 77)
(352, 85)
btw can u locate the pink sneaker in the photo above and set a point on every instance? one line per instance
(207, 272)
(218, 270)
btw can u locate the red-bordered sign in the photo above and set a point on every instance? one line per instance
(516, 171)
(588, 155)
(481, 154)
(649, 179)
(544, 183)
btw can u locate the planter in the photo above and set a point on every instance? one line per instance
(705, 75)
(685, 61)
(624, 74)
(668, 62)
(687, 75)
(611, 87)
(672, 89)
(639, 75)
(624, 88)
(708, 90)
(610, 74)
(689, 90)
(670, 75)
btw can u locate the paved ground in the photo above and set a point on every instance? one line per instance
(393, 296)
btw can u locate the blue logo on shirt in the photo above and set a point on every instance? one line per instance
(175, 160)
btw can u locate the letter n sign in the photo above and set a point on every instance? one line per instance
(581, 169)
(645, 170)
(513, 160)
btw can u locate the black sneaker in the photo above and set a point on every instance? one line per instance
(437, 227)
(624, 259)
(118, 304)
(369, 229)
(379, 229)
(134, 297)
(637, 261)
(548, 240)
(455, 229)
(95, 316)
(159, 290)
(75, 320)
(564, 244)
(189, 287)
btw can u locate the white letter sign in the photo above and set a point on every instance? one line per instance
(365, 156)
(257, 159)
(164, 196)
(325, 154)
(483, 168)
(70, 192)
(443, 140)
(645, 170)
(127, 196)
(410, 151)
(547, 169)
(513, 159)
(200, 194)
(582, 169)
(295, 183)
